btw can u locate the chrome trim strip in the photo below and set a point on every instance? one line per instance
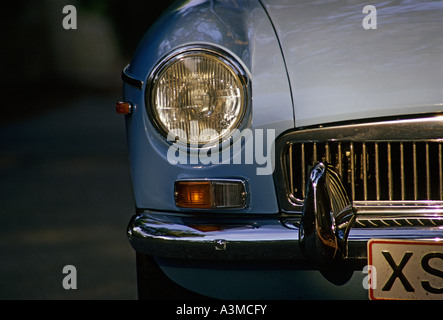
(399, 209)
(418, 129)
(358, 237)
(130, 80)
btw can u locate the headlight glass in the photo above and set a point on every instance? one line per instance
(198, 95)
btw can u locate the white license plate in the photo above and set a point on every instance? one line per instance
(405, 269)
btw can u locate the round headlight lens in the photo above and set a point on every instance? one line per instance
(198, 96)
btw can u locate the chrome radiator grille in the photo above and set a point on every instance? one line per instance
(384, 166)
(371, 171)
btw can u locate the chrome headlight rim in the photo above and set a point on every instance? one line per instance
(228, 60)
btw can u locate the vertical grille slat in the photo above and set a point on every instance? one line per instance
(428, 174)
(440, 171)
(352, 169)
(377, 173)
(340, 160)
(373, 170)
(291, 168)
(390, 176)
(365, 172)
(414, 157)
(303, 170)
(402, 168)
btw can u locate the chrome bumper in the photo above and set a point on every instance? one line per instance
(227, 238)
(271, 237)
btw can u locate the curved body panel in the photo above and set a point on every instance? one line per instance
(340, 71)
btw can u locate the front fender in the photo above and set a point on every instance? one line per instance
(244, 30)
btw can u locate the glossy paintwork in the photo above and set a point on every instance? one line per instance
(340, 71)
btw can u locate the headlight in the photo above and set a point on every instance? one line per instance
(198, 95)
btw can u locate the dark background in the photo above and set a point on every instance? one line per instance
(39, 55)
(65, 189)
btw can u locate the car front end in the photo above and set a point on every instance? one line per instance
(280, 150)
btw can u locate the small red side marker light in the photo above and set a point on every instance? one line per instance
(123, 107)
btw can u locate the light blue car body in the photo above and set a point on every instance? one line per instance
(310, 63)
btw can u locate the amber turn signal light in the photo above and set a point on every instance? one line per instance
(123, 107)
(193, 194)
(210, 194)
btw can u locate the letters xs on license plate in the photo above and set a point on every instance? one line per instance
(405, 269)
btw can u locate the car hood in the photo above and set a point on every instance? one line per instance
(340, 71)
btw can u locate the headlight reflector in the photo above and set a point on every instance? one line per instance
(198, 95)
